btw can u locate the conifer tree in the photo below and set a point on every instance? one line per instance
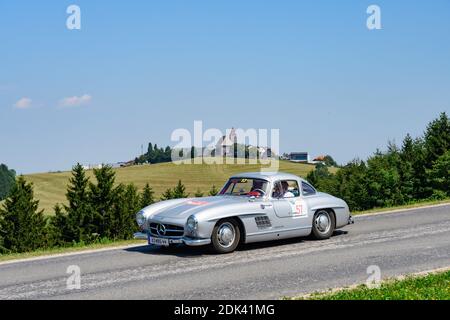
(22, 225)
(167, 195)
(437, 139)
(149, 150)
(102, 197)
(79, 210)
(7, 180)
(147, 196)
(439, 176)
(213, 192)
(58, 228)
(179, 191)
(125, 208)
(199, 194)
(406, 169)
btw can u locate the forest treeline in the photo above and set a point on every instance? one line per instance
(417, 170)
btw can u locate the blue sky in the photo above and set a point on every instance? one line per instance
(140, 69)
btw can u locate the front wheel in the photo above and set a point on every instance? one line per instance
(324, 224)
(226, 236)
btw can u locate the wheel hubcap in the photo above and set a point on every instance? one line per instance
(322, 222)
(226, 235)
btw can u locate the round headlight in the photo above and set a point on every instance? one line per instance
(140, 218)
(192, 224)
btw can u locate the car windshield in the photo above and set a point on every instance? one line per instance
(246, 187)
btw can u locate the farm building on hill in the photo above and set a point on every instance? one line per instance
(303, 157)
(300, 157)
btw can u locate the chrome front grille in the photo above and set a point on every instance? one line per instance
(166, 230)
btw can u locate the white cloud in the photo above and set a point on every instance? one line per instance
(75, 101)
(23, 103)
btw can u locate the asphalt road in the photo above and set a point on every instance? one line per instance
(398, 243)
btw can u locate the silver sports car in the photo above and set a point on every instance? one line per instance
(251, 207)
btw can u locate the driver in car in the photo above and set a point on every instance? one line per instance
(257, 187)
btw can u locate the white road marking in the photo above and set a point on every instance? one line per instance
(69, 254)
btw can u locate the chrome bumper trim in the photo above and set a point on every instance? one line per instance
(196, 242)
(187, 241)
(140, 236)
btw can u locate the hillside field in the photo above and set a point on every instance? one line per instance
(50, 188)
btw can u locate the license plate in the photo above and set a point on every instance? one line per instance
(158, 241)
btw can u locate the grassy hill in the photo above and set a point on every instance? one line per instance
(50, 188)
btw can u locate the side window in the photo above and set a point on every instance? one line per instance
(307, 189)
(293, 188)
(282, 188)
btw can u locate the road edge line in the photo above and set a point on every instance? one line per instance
(400, 210)
(68, 254)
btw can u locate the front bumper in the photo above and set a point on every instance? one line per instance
(187, 241)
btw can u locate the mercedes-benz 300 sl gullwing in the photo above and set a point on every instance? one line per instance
(251, 207)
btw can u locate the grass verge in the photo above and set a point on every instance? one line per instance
(435, 286)
(413, 205)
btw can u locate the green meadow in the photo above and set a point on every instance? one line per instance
(50, 188)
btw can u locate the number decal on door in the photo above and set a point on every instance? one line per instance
(298, 209)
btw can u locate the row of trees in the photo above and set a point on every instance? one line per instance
(419, 169)
(7, 178)
(94, 212)
(155, 155)
(180, 192)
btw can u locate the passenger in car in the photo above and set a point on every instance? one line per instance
(286, 192)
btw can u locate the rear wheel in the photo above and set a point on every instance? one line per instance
(226, 236)
(324, 224)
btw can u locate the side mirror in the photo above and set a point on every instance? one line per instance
(289, 196)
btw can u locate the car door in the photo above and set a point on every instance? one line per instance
(282, 207)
